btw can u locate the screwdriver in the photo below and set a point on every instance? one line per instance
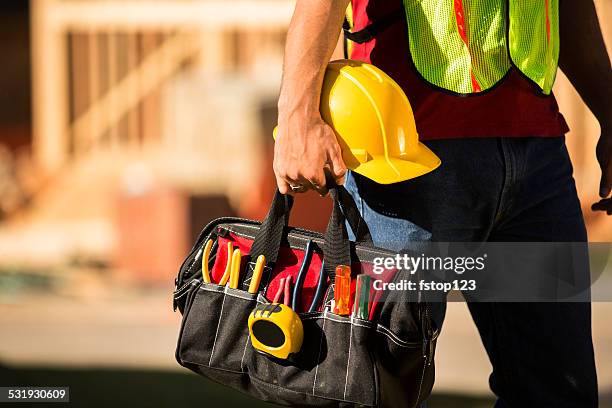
(342, 290)
(235, 272)
(362, 297)
(257, 272)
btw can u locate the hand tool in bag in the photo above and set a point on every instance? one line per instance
(228, 266)
(275, 328)
(361, 307)
(287, 291)
(320, 290)
(283, 291)
(235, 269)
(205, 259)
(374, 378)
(342, 290)
(279, 291)
(257, 272)
(299, 281)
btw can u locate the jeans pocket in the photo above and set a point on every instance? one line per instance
(381, 210)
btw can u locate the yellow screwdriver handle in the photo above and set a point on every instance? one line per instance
(257, 272)
(235, 273)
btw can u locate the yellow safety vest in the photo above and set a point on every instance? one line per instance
(468, 46)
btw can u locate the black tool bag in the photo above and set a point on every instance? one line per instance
(386, 361)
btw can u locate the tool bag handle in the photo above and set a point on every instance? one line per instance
(336, 249)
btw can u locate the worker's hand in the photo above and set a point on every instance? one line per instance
(303, 151)
(604, 157)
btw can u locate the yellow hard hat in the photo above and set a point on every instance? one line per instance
(374, 123)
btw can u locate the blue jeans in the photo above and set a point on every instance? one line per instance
(504, 190)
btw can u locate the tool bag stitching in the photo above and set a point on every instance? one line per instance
(338, 321)
(183, 287)
(314, 383)
(295, 236)
(225, 290)
(246, 344)
(392, 336)
(320, 238)
(191, 297)
(309, 315)
(380, 329)
(247, 236)
(212, 352)
(249, 275)
(422, 377)
(267, 384)
(376, 379)
(176, 297)
(191, 263)
(312, 316)
(257, 380)
(214, 289)
(236, 293)
(186, 311)
(193, 260)
(348, 361)
(215, 367)
(208, 230)
(325, 316)
(320, 315)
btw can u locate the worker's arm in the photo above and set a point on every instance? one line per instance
(585, 62)
(305, 144)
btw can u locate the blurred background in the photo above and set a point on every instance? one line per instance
(125, 126)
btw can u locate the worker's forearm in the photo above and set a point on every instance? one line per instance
(584, 58)
(311, 39)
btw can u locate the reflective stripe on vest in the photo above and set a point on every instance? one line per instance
(468, 46)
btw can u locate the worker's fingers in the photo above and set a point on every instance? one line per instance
(603, 205)
(337, 166)
(297, 183)
(288, 179)
(605, 186)
(299, 160)
(282, 185)
(604, 157)
(283, 181)
(316, 179)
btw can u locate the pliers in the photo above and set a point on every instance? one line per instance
(299, 282)
(206, 259)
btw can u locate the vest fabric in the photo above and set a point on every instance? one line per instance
(515, 107)
(468, 46)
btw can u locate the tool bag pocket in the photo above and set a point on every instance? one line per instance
(344, 361)
(214, 333)
(334, 365)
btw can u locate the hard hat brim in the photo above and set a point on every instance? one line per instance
(388, 170)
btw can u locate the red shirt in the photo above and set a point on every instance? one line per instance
(514, 108)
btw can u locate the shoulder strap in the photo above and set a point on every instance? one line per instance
(368, 33)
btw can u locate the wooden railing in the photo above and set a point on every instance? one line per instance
(99, 66)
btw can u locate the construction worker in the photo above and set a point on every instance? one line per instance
(479, 78)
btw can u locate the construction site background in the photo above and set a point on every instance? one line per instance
(125, 126)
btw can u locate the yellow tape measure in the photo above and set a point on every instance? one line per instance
(275, 329)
